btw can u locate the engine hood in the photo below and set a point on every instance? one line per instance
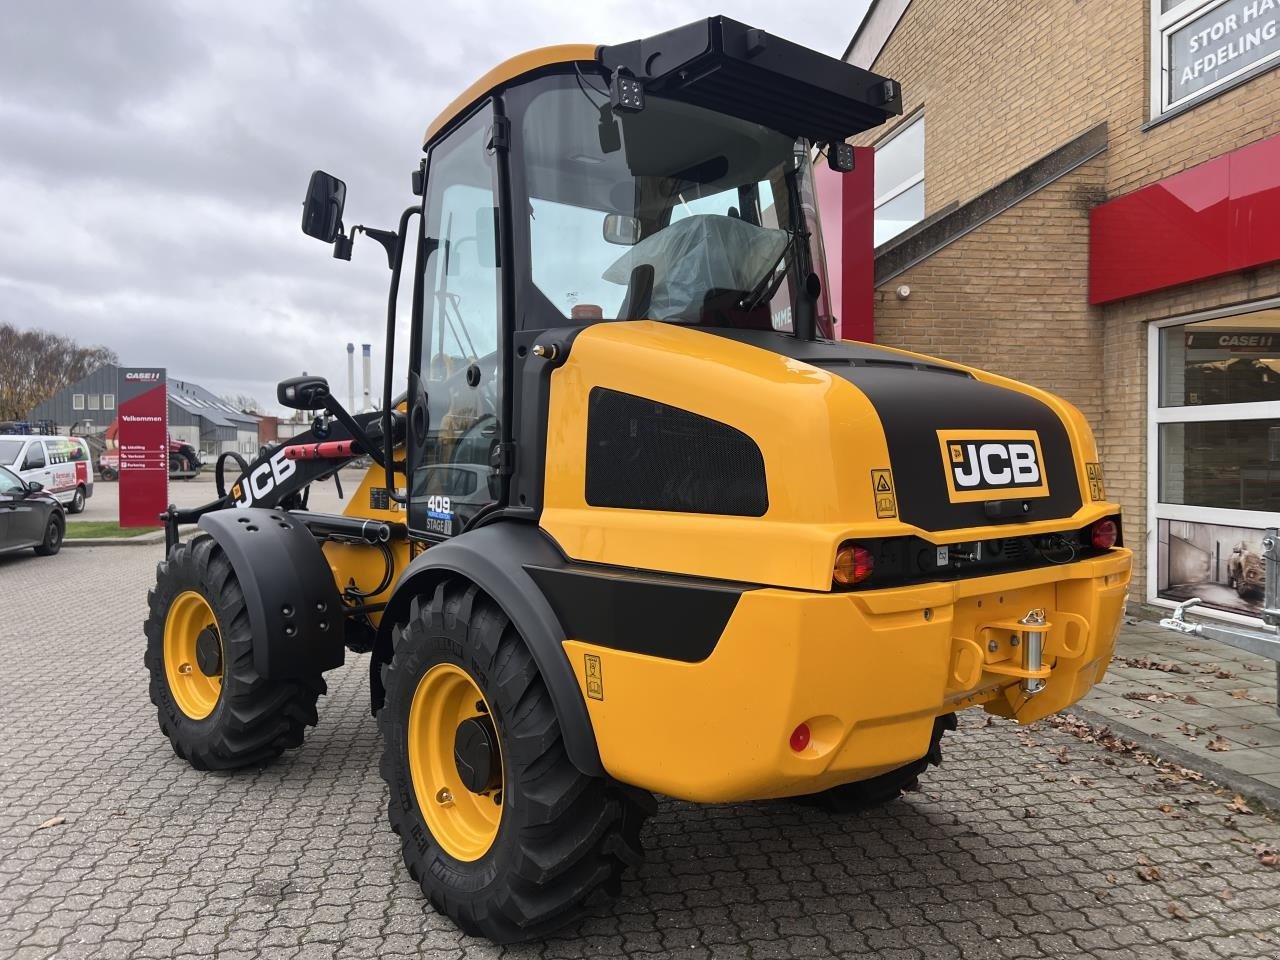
(964, 451)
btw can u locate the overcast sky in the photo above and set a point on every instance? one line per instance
(154, 158)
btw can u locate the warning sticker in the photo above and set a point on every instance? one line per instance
(886, 499)
(595, 679)
(1097, 490)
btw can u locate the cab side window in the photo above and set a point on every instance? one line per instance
(460, 351)
(34, 459)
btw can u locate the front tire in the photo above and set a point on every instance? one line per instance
(53, 533)
(213, 705)
(509, 841)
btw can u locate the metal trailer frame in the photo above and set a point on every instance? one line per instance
(1264, 642)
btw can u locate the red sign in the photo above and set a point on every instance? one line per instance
(143, 440)
(1215, 218)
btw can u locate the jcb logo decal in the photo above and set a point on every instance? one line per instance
(262, 480)
(995, 465)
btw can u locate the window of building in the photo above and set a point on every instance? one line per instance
(899, 178)
(77, 401)
(1203, 45)
(94, 400)
(108, 401)
(1214, 455)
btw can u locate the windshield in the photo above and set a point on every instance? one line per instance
(673, 213)
(9, 450)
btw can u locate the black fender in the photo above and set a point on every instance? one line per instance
(494, 558)
(295, 611)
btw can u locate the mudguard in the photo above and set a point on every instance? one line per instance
(494, 558)
(294, 608)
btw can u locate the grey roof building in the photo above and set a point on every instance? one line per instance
(196, 415)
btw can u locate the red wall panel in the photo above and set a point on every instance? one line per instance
(1218, 217)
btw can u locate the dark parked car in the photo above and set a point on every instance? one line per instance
(29, 517)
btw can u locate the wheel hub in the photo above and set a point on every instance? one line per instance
(193, 654)
(475, 754)
(455, 762)
(209, 652)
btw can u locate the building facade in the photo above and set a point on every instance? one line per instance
(1086, 196)
(196, 416)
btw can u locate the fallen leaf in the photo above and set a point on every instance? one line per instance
(1063, 756)
(1030, 813)
(1223, 675)
(1149, 874)
(1267, 856)
(52, 822)
(1176, 912)
(1110, 878)
(1218, 745)
(1225, 895)
(1239, 694)
(1238, 805)
(1188, 698)
(1143, 663)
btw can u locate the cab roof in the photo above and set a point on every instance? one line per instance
(504, 73)
(725, 66)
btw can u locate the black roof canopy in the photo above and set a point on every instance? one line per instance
(725, 65)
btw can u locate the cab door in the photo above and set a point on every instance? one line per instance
(456, 376)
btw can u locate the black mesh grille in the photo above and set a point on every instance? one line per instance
(650, 456)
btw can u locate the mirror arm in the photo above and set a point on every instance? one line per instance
(387, 238)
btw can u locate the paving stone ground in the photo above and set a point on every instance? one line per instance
(1025, 844)
(1210, 700)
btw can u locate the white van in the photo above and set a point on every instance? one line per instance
(62, 464)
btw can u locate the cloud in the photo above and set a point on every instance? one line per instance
(155, 155)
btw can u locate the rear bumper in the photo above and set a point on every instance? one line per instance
(867, 672)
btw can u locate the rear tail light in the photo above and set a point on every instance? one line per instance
(1103, 534)
(853, 565)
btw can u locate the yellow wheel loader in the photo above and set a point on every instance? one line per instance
(638, 524)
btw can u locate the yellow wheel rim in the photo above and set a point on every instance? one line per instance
(465, 824)
(195, 692)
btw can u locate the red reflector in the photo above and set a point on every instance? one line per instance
(800, 737)
(853, 565)
(1103, 534)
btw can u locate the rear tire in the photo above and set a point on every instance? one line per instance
(52, 537)
(77, 501)
(558, 836)
(231, 717)
(876, 792)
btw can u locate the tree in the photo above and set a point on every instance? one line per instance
(36, 364)
(244, 403)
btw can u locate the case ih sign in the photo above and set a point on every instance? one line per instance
(143, 439)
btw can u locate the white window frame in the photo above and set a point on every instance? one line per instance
(1162, 26)
(910, 182)
(1200, 413)
(77, 401)
(108, 401)
(95, 401)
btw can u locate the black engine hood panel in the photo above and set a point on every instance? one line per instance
(914, 400)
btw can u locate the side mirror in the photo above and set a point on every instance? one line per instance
(322, 209)
(34, 486)
(621, 229)
(303, 393)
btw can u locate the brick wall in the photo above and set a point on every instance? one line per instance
(1002, 85)
(1011, 296)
